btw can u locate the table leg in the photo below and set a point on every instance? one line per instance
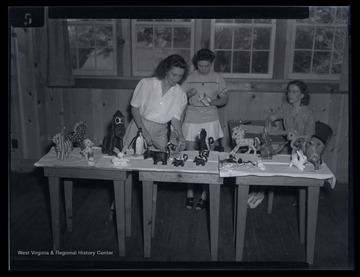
(153, 214)
(54, 190)
(214, 197)
(147, 213)
(243, 192)
(302, 213)
(68, 190)
(128, 203)
(235, 210)
(119, 192)
(313, 203)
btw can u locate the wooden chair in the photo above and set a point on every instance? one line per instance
(323, 132)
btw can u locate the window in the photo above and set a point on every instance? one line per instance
(318, 43)
(155, 39)
(92, 46)
(244, 47)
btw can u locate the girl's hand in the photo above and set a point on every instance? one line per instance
(191, 92)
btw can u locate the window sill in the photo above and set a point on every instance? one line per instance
(239, 85)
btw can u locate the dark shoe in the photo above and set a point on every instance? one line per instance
(189, 203)
(201, 204)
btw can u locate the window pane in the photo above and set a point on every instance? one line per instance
(223, 38)
(144, 36)
(242, 38)
(105, 59)
(185, 54)
(145, 20)
(302, 62)
(324, 38)
(321, 62)
(342, 15)
(337, 62)
(163, 20)
(163, 37)
(325, 15)
(87, 58)
(182, 20)
(145, 59)
(260, 62)
(86, 35)
(182, 37)
(261, 38)
(72, 36)
(222, 62)
(104, 36)
(311, 19)
(73, 58)
(340, 37)
(304, 37)
(241, 62)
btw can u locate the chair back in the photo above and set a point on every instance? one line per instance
(323, 132)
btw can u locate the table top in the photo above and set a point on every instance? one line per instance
(277, 166)
(101, 161)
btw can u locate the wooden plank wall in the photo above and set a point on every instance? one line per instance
(42, 111)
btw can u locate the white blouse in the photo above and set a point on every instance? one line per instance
(153, 105)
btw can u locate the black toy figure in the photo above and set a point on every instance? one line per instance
(180, 162)
(115, 135)
(202, 142)
(200, 160)
(159, 156)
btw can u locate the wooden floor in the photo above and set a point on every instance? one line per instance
(182, 236)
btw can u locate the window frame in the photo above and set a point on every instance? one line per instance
(271, 50)
(134, 24)
(292, 24)
(95, 22)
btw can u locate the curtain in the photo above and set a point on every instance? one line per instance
(54, 58)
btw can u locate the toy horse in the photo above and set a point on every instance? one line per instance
(238, 135)
(113, 141)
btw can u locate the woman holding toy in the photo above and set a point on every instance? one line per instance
(206, 90)
(157, 101)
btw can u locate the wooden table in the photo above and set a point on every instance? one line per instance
(278, 173)
(76, 167)
(190, 173)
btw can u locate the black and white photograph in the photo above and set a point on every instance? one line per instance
(180, 138)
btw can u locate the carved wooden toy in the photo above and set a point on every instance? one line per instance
(238, 135)
(63, 146)
(87, 152)
(298, 160)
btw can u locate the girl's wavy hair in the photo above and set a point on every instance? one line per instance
(169, 63)
(303, 88)
(203, 55)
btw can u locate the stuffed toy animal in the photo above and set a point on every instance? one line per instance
(77, 135)
(87, 152)
(63, 147)
(298, 160)
(113, 142)
(159, 156)
(203, 144)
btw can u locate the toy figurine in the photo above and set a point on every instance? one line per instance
(63, 146)
(203, 144)
(159, 156)
(238, 135)
(298, 160)
(87, 152)
(181, 161)
(77, 135)
(113, 142)
(139, 143)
